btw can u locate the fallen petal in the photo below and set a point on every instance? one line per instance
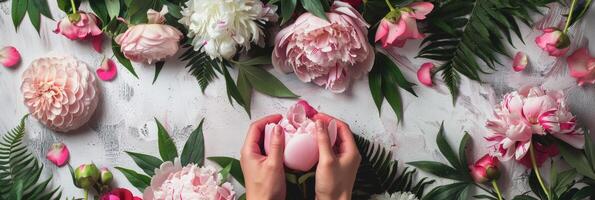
(58, 154)
(520, 62)
(424, 74)
(97, 42)
(9, 56)
(107, 71)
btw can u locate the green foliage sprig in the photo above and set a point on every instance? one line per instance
(35, 8)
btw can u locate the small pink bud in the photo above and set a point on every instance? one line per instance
(106, 176)
(424, 74)
(9, 56)
(58, 154)
(520, 62)
(485, 169)
(107, 71)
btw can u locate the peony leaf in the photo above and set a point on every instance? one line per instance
(315, 7)
(392, 94)
(438, 169)
(576, 159)
(113, 8)
(167, 148)
(463, 152)
(375, 83)
(100, 9)
(19, 9)
(44, 8)
(122, 59)
(451, 191)
(287, 9)
(34, 14)
(137, 180)
(265, 82)
(236, 168)
(232, 89)
(158, 68)
(146, 162)
(225, 172)
(245, 90)
(524, 197)
(194, 149)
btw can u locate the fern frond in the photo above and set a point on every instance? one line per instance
(201, 66)
(379, 173)
(17, 164)
(462, 32)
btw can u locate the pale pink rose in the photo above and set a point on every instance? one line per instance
(87, 27)
(301, 147)
(58, 154)
(582, 66)
(9, 56)
(174, 182)
(107, 71)
(424, 74)
(400, 25)
(520, 61)
(553, 41)
(150, 42)
(60, 92)
(328, 53)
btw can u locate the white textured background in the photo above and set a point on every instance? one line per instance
(124, 118)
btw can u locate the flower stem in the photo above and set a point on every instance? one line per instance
(389, 5)
(73, 6)
(495, 185)
(567, 26)
(86, 194)
(536, 169)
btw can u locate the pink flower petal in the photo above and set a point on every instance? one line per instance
(97, 42)
(421, 9)
(424, 74)
(107, 71)
(58, 154)
(582, 66)
(9, 56)
(520, 62)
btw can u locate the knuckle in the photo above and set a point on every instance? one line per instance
(327, 162)
(271, 165)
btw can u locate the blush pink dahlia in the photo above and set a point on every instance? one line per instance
(83, 27)
(60, 92)
(400, 24)
(582, 66)
(328, 53)
(553, 41)
(174, 182)
(9, 56)
(301, 148)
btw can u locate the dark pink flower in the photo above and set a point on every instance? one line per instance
(554, 41)
(401, 24)
(58, 154)
(485, 169)
(582, 66)
(9, 56)
(424, 74)
(107, 71)
(119, 194)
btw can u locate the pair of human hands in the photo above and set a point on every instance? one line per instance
(335, 172)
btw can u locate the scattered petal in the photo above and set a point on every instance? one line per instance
(424, 74)
(582, 66)
(107, 71)
(58, 154)
(9, 56)
(520, 61)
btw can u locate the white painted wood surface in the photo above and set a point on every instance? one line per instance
(124, 118)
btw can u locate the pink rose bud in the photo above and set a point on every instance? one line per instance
(106, 176)
(81, 26)
(520, 61)
(582, 66)
(86, 176)
(424, 74)
(485, 169)
(9, 56)
(107, 71)
(58, 154)
(553, 41)
(399, 25)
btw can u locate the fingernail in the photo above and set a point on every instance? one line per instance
(277, 130)
(319, 125)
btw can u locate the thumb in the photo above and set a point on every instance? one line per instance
(277, 145)
(325, 150)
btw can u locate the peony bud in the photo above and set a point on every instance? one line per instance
(106, 176)
(86, 175)
(485, 169)
(58, 154)
(553, 41)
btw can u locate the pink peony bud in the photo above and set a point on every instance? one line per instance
(86, 176)
(58, 154)
(520, 62)
(399, 25)
(81, 26)
(582, 66)
(553, 41)
(485, 169)
(9, 56)
(107, 71)
(106, 176)
(424, 74)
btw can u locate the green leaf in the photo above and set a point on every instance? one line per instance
(174, 10)
(232, 89)
(315, 7)
(100, 9)
(122, 59)
(535, 186)
(146, 162)
(16, 192)
(225, 172)
(303, 178)
(19, 9)
(438, 169)
(564, 181)
(113, 8)
(245, 90)
(243, 197)
(287, 8)
(449, 192)
(194, 149)
(375, 83)
(137, 180)
(463, 151)
(236, 168)
(265, 82)
(260, 60)
(34, 14)
(158, 67)
(590, 149)
(392, 94)
(446, 150)
(44, 8)
(576, 159)
(167, 148)
(524, 197)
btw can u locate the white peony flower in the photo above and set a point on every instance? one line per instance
(219, 26)
(395, 196)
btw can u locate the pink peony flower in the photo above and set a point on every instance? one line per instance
(520, 61)
(174, 182)
(328, 53)
(150, 42)
(9, 56)
(60, 92)
(582, 66)
(562, 124)
(301, 147)
(424, 74)
(58, 154)
(86, 26)
(553, 41)
(107, 71)
(401, 24)
(119, 194)
(485, 169)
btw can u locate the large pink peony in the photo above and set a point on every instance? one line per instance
(174, 182)
(150, 42)
(301, 147)
(582, 66)
(85, 27)
(400, 25)
(60, 92)
(328, 53)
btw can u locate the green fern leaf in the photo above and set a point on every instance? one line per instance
(19, 168)
(201, 66)
(379, 173)
(463, 32)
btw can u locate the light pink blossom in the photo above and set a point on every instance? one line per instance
(107, 71)
(9, 56)
(582, 66)
(60, 92)
(553, 41)
(328, 53)
(424, 74)
(58, 154)
(400, 25)
(85, 27)
(520, 61)
(301, 147)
